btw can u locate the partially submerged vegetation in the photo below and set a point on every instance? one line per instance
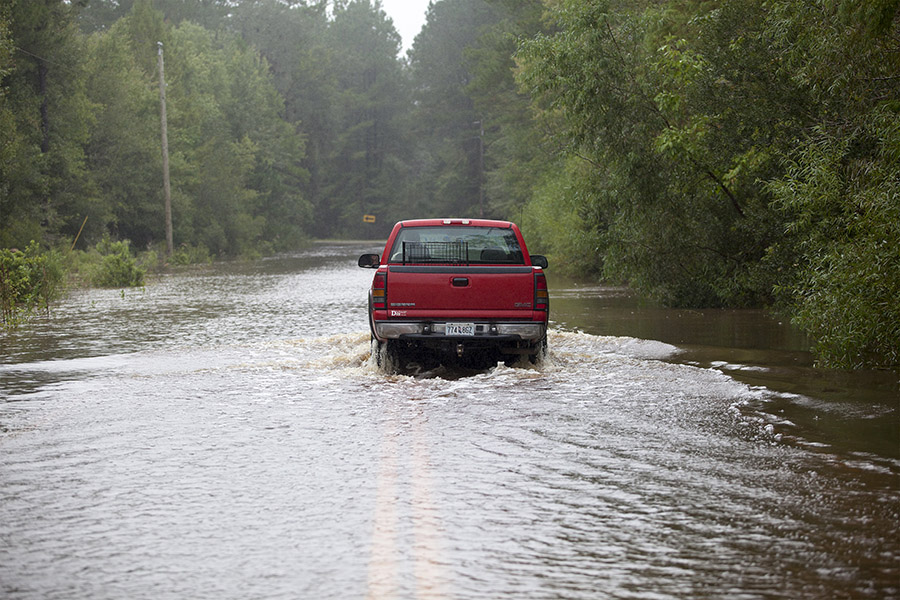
(33, 278)
(29, 281)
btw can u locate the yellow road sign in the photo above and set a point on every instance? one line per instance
(368, 218)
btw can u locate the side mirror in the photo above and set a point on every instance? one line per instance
(369, 261)
(539, 261)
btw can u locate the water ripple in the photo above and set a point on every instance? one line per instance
(271, 458)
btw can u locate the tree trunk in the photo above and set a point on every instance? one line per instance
(45, 111)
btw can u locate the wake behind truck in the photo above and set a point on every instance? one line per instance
(457, 292)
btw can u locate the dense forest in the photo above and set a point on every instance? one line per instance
(707, 153)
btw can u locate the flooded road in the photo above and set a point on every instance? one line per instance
(223, 434)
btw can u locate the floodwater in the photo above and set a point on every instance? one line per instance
(222, 433)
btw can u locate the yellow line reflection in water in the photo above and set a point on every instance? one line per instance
(386, 562)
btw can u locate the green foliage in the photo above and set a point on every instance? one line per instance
(554, 221)
(9, 140)
(81, 132)
(187, 254)
(100, 15)
(515, 161)
(46, 120)
(677, 136)
(448, 128)
(29, 281)
(117, 268)
(736, 153)
(838, 195)
(842, 200)
(369, 154)
(123, 152)
(295, 42)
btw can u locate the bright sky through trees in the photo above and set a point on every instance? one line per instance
(408, 17)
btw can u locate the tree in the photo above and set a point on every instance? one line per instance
(233, 156)
(674, 108)
(48, 120)
(370, 148)
(839, 195)
(12, 142)
(293, 38)
(123, 152)
(100, 15)
(513, 159)
(736, 153)
(236, 169)
(445, 124)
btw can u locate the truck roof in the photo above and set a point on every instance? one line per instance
(461, 222)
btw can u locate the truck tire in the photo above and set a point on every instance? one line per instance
(387, 355)
(540, 351)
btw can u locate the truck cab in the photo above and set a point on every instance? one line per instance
(457, 291)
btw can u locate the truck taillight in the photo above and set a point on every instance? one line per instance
(541, 295)
(379, 291)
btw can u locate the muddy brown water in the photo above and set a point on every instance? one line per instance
(222, 433)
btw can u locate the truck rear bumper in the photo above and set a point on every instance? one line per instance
(484, 332)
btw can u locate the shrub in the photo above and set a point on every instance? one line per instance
(191, 255)
(117, 268)
(844, 206)
(29, 281)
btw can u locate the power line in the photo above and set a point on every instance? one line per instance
(41, 58)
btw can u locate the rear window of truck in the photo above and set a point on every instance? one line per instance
(457, 246)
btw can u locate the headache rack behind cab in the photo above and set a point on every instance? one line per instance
(454, 253)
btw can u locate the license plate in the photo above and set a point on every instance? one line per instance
(460, 329)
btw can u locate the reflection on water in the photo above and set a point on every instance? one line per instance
(224, 433)
(856, 411)
(616, 311)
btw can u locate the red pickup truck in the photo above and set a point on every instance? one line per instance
(457, 292)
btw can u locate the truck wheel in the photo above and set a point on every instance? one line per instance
(378, 352)
(540, 351)
(387, 356)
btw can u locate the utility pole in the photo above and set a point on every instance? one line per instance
(480, 167)
(165, 152)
